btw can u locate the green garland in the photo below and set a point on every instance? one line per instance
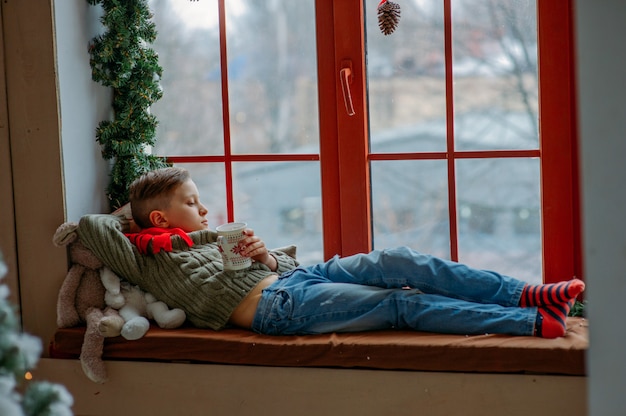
(579, 309)
(122, 60)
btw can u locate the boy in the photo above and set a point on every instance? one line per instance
(176, 259)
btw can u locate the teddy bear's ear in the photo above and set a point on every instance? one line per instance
(65, 234)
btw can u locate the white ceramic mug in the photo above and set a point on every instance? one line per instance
(228, 237)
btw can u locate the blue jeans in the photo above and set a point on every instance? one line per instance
(393, 288)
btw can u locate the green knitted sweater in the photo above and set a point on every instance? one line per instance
(190, 278)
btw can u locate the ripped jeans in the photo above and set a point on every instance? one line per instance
(393, 288)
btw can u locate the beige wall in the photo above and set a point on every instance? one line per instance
(31, 130)
(7, 229)
(187, 390)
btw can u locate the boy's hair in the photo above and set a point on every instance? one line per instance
(153, 190)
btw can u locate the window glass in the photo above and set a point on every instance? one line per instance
(493, 93)
(210, 180)
(406, 80)
(495, 74)
(272, 76)
(410, 205)
(482, 156)
(281, 202)
(499, 208)
(190, 111)
(266, 104)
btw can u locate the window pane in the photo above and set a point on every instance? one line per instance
(190, 111)
(281, 202)
(410, 205)
(499, 216)
(495, 74)
(406, 80)
(210, 180)
(273, 77)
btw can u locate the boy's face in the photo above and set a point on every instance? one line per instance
(185, 210)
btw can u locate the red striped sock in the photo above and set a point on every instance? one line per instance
(552, 293)
(551, 320)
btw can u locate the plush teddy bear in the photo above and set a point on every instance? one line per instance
(137, 307)
(81, 301)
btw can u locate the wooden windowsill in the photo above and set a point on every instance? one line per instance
(390, 350)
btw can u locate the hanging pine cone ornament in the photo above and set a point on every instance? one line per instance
(388, 16)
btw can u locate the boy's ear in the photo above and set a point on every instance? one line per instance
(157, 218)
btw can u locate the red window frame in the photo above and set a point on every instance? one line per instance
(344, 150)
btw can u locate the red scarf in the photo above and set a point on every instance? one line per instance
(161, 239)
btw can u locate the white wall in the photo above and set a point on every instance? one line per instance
(602, 103)
(83, 105)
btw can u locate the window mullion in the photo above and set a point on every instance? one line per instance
(352, 132)
(450, 146)
(228, 166)
(561, 240)
(329, 162)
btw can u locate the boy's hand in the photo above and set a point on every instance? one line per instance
(254, 248)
